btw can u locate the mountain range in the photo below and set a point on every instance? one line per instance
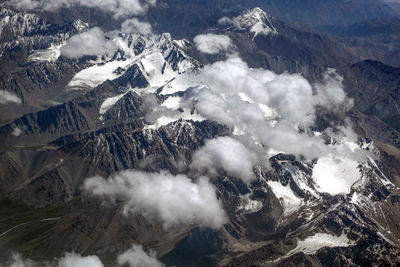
(186, 133)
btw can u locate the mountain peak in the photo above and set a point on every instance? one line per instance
(80, 25)
(257, 21)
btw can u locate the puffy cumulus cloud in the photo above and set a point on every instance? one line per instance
(260, 105)
(226, 153)
(136, 26)
(137, 257)
(68, 260)
(213, 43)
(171, 199)
(290, 96)
(90, 43)
(267, 112)
(76, 260)
(119, 8)
(331, 93)
(8, 97)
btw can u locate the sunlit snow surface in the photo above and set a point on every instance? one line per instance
(157, 69)
(313, 243)
(185, 115)
(248, 205)
(288, 199)
(109, 102)
(97, 74)
(254, 20)
(152, 61)
(335, 175)
(50, 54)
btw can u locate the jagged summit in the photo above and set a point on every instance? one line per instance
(257, 22)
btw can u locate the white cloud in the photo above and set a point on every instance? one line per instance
(230, 21)
(76, 260)
(91, 43)
(171, 199)
(137, 257)
(264, 108)
(68, 260)
(119, 8)
(213, 43)
(267, 113)
(136, 26)
(228, 154)
(18, 261)
(16, 131)
(8, 97)
(289, 95)
(331, 94)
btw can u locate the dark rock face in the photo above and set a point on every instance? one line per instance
(134, 77)
(375, 89)
(67, 136)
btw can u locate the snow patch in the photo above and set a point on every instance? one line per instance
(109, 102)
(300, 178)
(335, 175)
(172, 102)
(50, 54)
(16, 131)
(361, 200)
(179, 84)
(260, 28)
(288, 199)
(157, 69)
(95, 75)
(165, 120)
(257, 21)
(248, 205)
(313, 243)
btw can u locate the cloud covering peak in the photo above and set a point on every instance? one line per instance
(213, 43)
(90, 43)
(268, 113)
(173, 200)
(137, 257)
(264, 108)
(228, 154)
(136, 26)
